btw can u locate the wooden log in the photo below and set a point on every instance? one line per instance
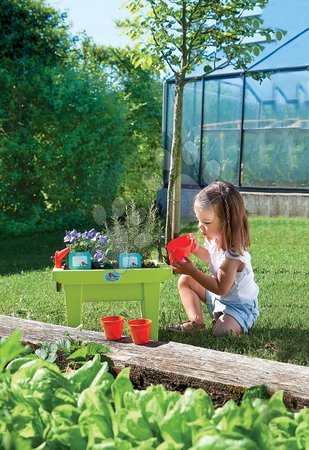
(177, 366)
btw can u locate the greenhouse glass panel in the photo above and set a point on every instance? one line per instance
(191, 131)
(221, 130)
(276, 131)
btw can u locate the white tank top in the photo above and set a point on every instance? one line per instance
(244, 288)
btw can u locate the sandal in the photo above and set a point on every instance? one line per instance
(188, 325)
(215, 319)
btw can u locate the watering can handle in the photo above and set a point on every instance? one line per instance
(59, 255)
(194, 243)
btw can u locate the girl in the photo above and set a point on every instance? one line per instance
(231, 292)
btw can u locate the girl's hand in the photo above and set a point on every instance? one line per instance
(184, 266)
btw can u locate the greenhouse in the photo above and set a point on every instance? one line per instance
(254, 134)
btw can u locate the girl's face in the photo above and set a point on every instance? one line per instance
(209, 222)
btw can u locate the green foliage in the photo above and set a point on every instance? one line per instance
(142, 93)
(71, 350)
(87, 408)
(180, 34)
(10, 348)
(71, 124)
(64, 152)
(134, 233)
(32, 29)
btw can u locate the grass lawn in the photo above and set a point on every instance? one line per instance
(280, 257)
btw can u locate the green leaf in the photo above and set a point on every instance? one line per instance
(276, 402)
(256, 51)
(256, 23)
(96, 426)
(121, 385)
(88, 351)
(25, 373)
(83, 377)
(45, 383)
(224, 441)
(286, 444)
(103, 377)
(302, 433)
(14, 365)
(68, 437)
(65, 415)
(133, 425)
(63, 397)
(26, 421)
(208, 68)
(259, 391)
(283, 427)
(10, 347)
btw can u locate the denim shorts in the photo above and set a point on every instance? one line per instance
(244, 313)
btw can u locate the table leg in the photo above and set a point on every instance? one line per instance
(73, 299)
(150, 306)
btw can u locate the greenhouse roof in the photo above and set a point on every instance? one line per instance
(292, 54)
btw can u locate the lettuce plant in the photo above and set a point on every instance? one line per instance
(88, 409)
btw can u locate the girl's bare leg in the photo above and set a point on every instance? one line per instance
(192, 294)
(226, 325)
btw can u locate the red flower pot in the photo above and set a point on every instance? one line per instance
(112, 327)
(140, 330)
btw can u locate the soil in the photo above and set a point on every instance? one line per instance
(95, 266)
(140, 381)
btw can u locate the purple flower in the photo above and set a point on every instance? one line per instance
(91, 241)
(91, 234)
(99, 255)
(71, 236)
(103, 240)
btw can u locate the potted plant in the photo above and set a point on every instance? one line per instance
(87, 250)
(128, 242)
(134, 234)
(128, 235)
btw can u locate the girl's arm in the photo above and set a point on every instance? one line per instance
(198, 250)
(220, 284)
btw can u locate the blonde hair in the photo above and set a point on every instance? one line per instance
(229, 206)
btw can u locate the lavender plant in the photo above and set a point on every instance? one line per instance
(135, 232)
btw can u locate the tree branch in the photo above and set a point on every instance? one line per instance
(184, 33)
(193, 12)
(163, 56)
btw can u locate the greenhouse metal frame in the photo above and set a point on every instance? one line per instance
(253, 134)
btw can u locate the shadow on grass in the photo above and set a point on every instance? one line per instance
(26, 253)
(289, 345)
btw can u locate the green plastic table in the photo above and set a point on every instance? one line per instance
(104, 285)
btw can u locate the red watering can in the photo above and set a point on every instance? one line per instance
(59, 255)
(180, 247)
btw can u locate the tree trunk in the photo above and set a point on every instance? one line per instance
(173, 211)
